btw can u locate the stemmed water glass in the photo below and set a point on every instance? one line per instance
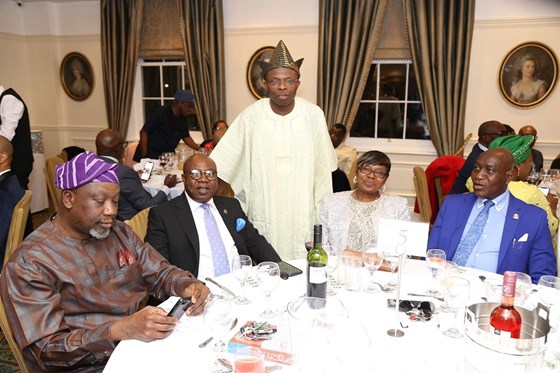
(217, 318)
(241, 266)
(372, 260)
(332, 264)
(434, 257)
(456, 292)
(163, 161)
(170, 156)
(392, 260)
(268, 276)
(549, 290)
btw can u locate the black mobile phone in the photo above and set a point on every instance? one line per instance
(147, 171)
(180, 307)
(287, 270)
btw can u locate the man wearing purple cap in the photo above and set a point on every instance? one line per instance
(278, 158)
(74, 287)
(165, 127)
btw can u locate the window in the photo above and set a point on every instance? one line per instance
(390, 106)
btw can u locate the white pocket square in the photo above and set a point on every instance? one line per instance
(523, 238)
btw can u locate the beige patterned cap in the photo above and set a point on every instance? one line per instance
(281, 57)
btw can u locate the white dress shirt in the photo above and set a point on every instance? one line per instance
(205, 263)
(346, 155)
(11, 111)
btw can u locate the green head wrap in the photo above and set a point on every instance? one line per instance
(518, 145)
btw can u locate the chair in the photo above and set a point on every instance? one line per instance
(50, 171)
(422, 196)
(5, 325)
(352, 175)
(17, 224)
(139, 223)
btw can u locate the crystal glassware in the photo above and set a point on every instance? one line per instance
(372, 260)
(241, 266)
(392, 260)
(332, 265)
(456, 292)
(217, 319)
(549, 290)
(268, 276)
(434, 257)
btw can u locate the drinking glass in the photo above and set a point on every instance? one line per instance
(332, 264)
(392, 260)
(268, 276)
(533, 178)
(372, 261)
(308, 240)
(434, 257)
(523, 288)
(456, 292)
(162, 161)
(241, 266)
(217, 319)
(549, 290)
(249, 360)
(170, 156)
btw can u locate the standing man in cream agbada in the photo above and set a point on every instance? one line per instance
(278, 157)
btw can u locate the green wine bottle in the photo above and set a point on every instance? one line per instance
(316, 266)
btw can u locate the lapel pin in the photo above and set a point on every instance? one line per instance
(515, 216)
(225, 211)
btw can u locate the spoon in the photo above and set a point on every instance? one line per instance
(386, 289)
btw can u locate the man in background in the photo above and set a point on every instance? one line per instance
(346, 155)
(133, 197)
(10, 192)
(278, 158)
(14, 125)
(487, 132)
(537, 155)
(165, 127)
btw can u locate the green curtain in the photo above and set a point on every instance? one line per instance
(202, 28)
(121, 25)
(348, 34)
(440, 34)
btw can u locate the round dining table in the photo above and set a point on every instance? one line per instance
(422, 348)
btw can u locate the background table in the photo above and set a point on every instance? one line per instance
(154, 184)
(424, 348)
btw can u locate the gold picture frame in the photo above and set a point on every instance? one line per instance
(528, 74)
(76, 76)
(254, 71)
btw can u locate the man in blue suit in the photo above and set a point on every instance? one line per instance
(514, 237)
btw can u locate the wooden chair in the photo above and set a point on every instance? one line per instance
(422, 195)
(50, 168)
(139, 223)
(17, 224)
(352, 175)
(5, 325)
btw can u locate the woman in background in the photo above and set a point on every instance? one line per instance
(79, 87)
(350, 219)
(528, 88)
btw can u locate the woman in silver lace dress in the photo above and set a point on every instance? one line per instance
(350, 219)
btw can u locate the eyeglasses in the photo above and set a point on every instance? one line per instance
(196, 174)
(367, 171)
(277, 82)
(499, 133)
(416, 310)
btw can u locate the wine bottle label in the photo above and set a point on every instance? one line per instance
(317, 275)
(503, 334)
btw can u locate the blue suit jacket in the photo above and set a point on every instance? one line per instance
(535, 256)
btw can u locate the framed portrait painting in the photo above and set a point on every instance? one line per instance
(76, 76)
(528, 74)
(254, 71)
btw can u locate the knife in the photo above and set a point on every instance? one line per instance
(427, 295)
(221, 287)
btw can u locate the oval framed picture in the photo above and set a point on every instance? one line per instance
(254, 71)
(76, 76)
(528, 74)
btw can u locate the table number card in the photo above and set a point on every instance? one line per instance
(409, 236)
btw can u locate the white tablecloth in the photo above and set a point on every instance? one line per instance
(424, 348)
(38, 185)
(154, 184)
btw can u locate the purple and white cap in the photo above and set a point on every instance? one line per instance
(83, 169)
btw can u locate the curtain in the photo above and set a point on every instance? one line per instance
(202, 28)
(348, 34)
(121, 25)
(440, 34)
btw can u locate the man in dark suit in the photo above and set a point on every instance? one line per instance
(178, 229)
(10, 192)
(537, 155)
(487, 132)
(133, 197)
(513, 236)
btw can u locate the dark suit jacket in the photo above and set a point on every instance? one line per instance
(535, 256)
(465, 172)
(133, 197)
(537, 160)
(172, 232)
(10, 194)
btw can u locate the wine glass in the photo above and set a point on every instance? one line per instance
(170, 156)
(241, 265)
(308, 240)
(268, 276)
(523, 288)
(162, 161)
(456, 292)
(332, 264)
(217, 319)
(533, 178)
(434, 257)
(372, 261)
(392, 260)
(549, 290)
